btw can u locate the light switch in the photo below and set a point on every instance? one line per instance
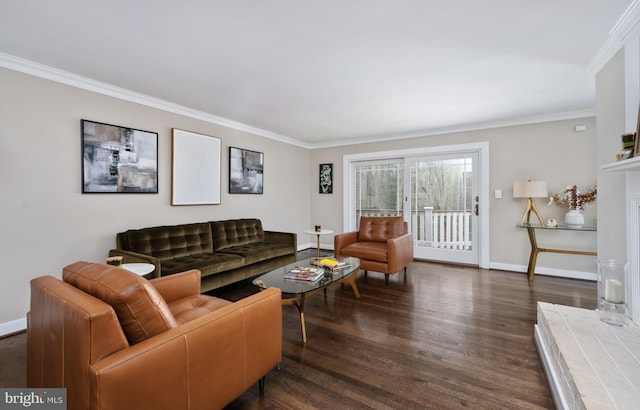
(497, 194)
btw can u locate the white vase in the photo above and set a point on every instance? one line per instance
(574, 218)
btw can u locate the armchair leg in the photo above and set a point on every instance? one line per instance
(261, 385)
(386, 279)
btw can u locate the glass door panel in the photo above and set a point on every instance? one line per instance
(379, 186)
(443, 203)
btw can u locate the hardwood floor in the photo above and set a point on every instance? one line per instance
(445, 337)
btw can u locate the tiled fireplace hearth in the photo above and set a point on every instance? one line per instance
(589, 364)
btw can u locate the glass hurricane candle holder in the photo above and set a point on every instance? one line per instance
(611, 292)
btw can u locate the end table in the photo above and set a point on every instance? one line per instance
(318, 233)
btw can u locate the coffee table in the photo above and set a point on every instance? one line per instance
(300, 290)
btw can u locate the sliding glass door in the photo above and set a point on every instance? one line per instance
(436, 190)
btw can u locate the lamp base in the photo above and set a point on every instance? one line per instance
(531, 207)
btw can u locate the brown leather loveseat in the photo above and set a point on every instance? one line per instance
(382, 243)
(115, 340)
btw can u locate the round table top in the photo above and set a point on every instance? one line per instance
(139, 268)
(320, 232)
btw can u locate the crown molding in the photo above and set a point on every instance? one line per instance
(571, 115)
(626, 25)
(49, 73)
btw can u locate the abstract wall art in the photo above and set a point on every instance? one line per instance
(118, 159)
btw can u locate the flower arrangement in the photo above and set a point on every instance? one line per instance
(572, 198)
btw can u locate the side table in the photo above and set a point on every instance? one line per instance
(535, 249)
(139, 268)
(318, 233)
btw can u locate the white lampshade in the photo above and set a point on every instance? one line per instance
(530, 189)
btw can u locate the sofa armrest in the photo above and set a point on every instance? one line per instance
(178, 286)
(205, 363)
(342, 240)
(65, 322)
(281, 237)
(134, 257)
(400, 252)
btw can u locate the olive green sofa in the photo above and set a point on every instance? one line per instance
(224, 251)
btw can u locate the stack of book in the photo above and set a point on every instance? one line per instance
(331, 264)
(304, 273)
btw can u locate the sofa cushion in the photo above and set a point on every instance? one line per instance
(141, 310)
(257, 252)
(207, 263)
(227, 234)
(372, 251)
(380, 228)
(169, 242)
(192, 307)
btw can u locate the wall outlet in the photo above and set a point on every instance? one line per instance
(497, 194)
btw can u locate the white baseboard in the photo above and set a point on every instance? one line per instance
(311, 245)
(562, 273)
(13, 327)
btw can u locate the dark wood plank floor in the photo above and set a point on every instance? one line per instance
(446, 337)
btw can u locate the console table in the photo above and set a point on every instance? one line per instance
(535, 249)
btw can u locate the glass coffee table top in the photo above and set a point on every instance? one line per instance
(276, 279)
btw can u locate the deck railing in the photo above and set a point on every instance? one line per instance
(433, 228)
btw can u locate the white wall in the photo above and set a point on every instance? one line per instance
(48, 223)
(610, 106)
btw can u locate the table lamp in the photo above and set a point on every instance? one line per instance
(530, 189)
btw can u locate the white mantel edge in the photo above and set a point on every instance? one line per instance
(631, 164)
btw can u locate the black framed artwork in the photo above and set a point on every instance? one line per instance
(118, 159)
(246, 171)
(326, 178)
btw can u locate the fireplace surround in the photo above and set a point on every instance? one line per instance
(590, 363)
(631, 169)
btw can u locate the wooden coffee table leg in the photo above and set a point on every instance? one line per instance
(300, 306)
(351, 281)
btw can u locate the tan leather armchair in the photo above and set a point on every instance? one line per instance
(117, 341)
(382, 243)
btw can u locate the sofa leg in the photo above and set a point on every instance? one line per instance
(365, 275)
(261, 385)
(386, 279)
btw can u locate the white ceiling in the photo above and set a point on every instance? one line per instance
(329, 71)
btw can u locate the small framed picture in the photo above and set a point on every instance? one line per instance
(118, 159)
(326, 178)
(246, 171)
